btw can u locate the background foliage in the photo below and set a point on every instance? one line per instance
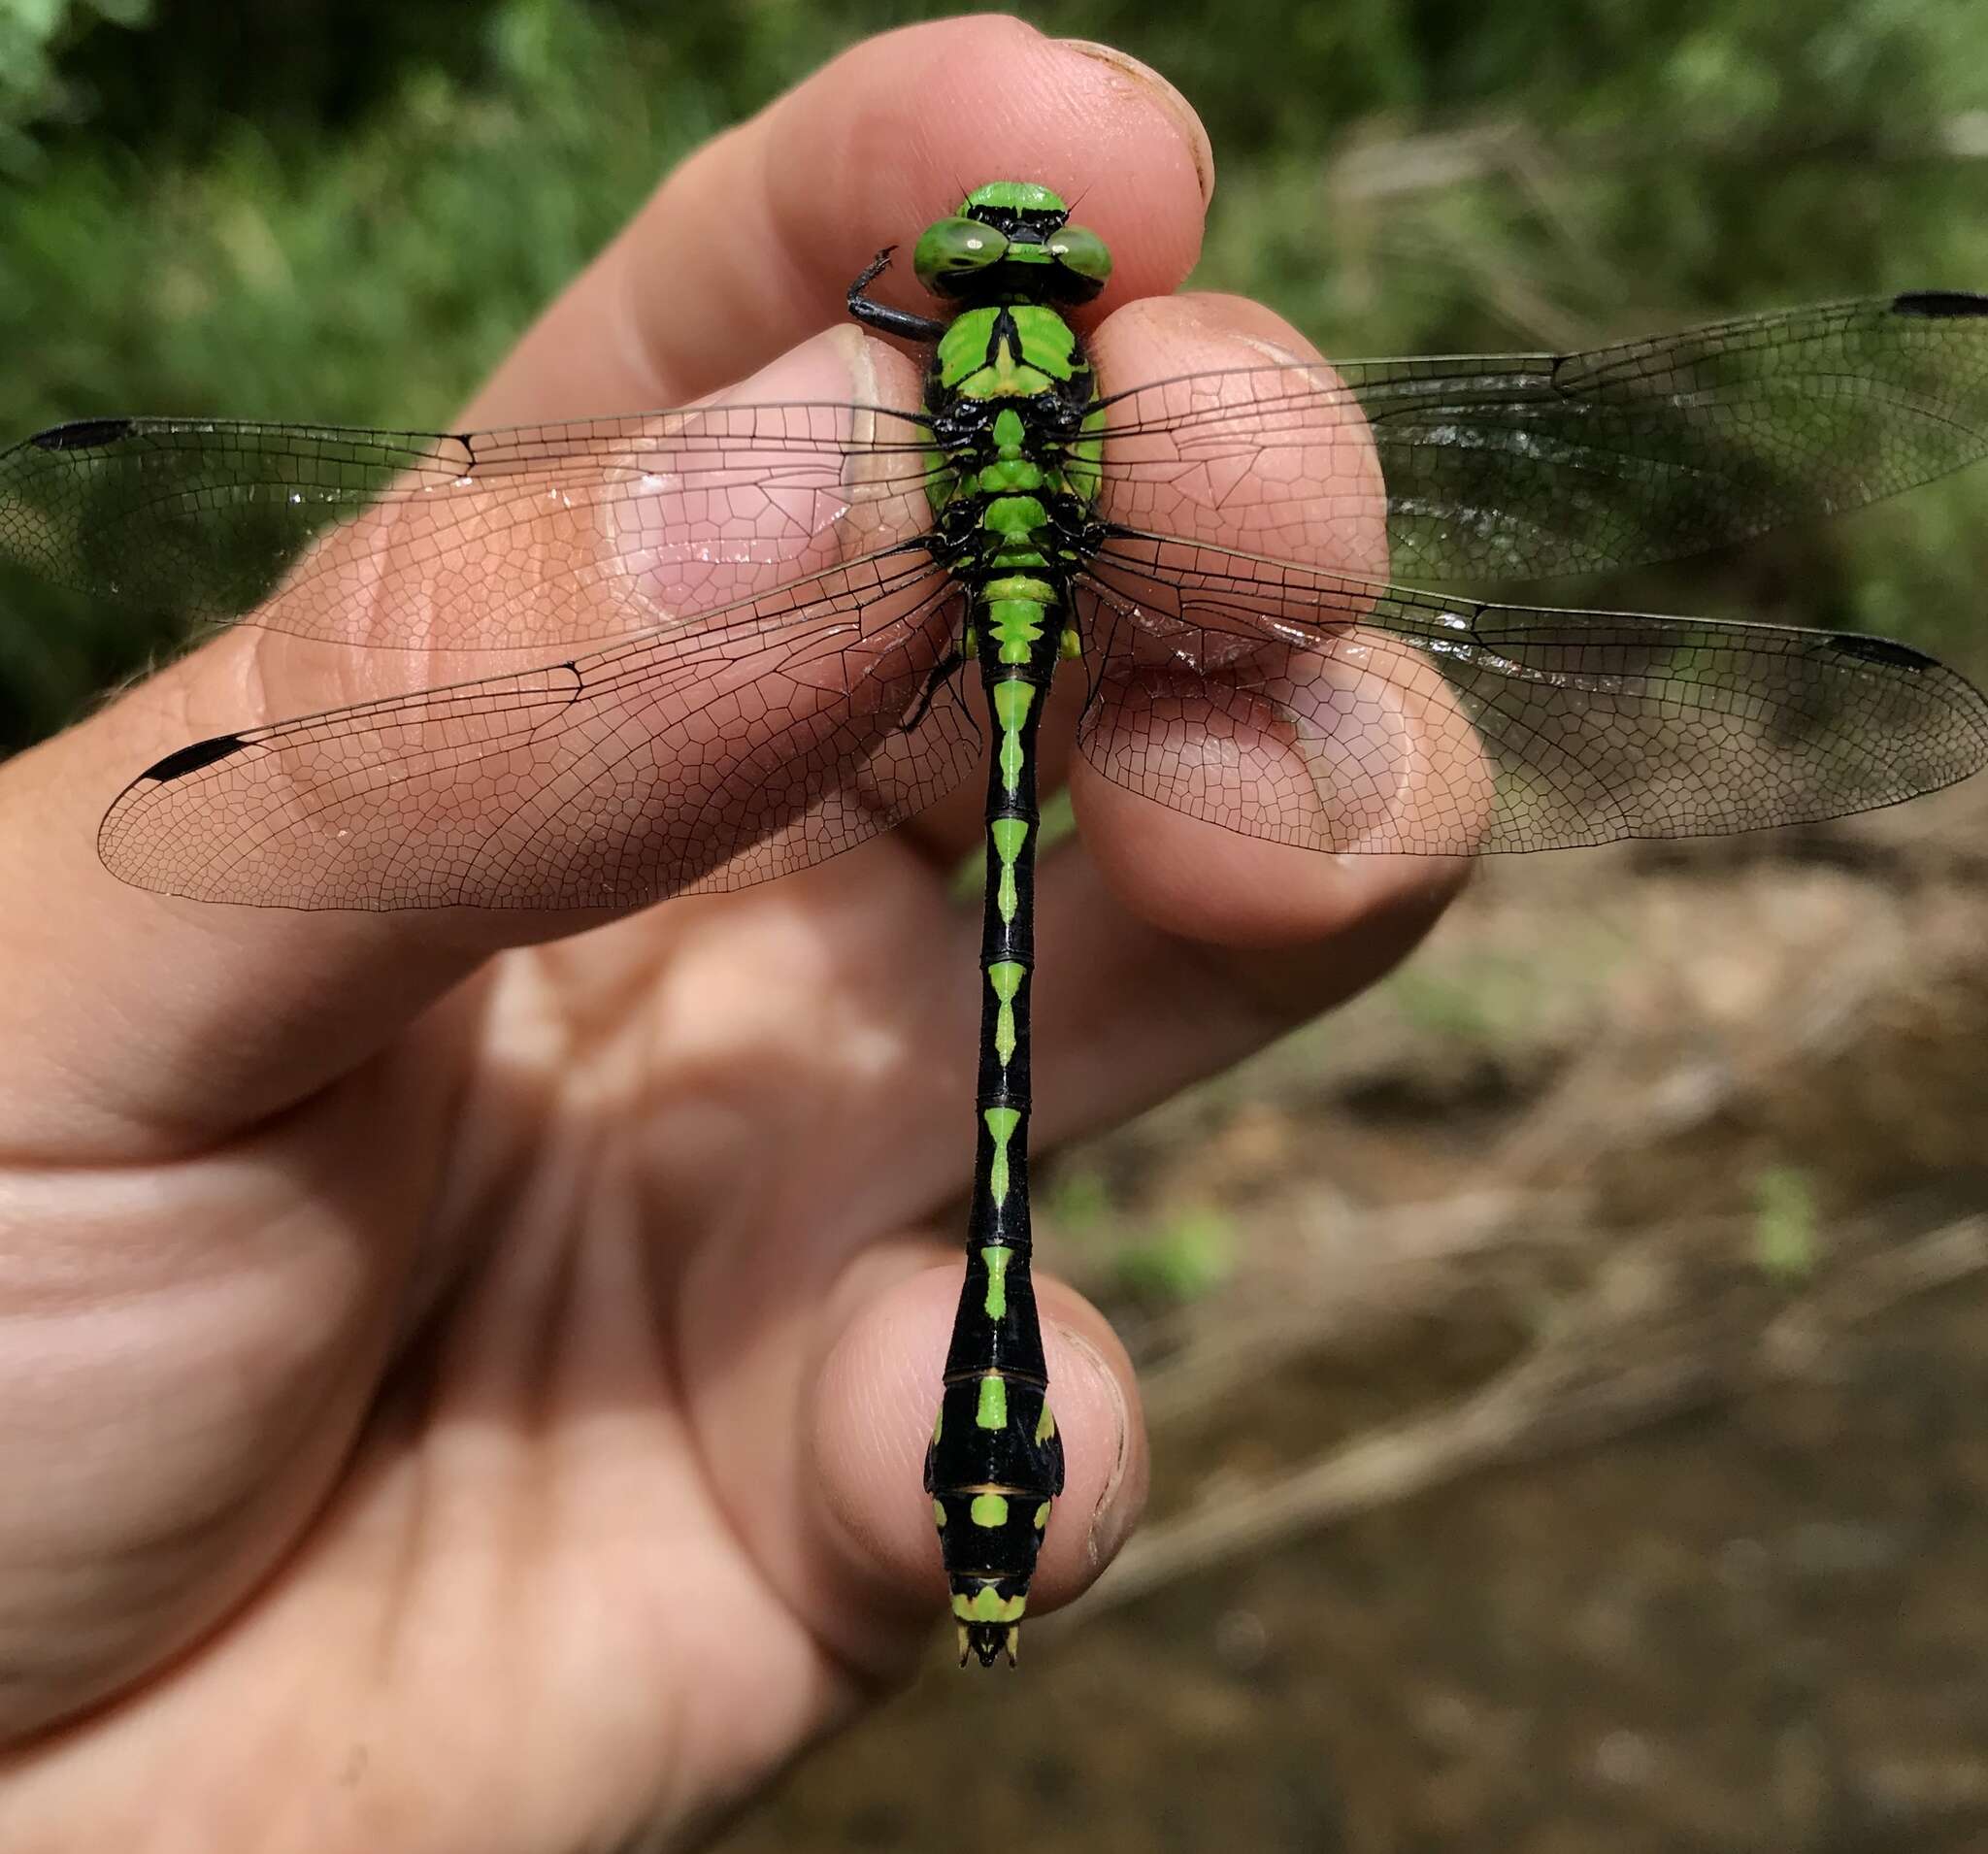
(346, 209)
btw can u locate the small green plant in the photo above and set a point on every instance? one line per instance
(1786, 1238)
(1079, 1201)
(1185, 1258)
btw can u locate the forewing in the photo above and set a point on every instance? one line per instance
(1303, 708)
(1528, 466)
(526, 539)
(722, 752)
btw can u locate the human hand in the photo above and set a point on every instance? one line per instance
(462, 1393)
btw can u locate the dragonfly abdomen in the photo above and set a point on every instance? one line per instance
(996, 1461)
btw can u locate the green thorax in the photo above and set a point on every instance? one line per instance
(1006, 350)
(1018, 365)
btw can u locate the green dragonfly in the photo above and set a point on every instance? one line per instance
(772, 616)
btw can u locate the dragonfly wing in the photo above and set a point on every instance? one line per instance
(1529, 466)
(1337, 714)
(746, 743)
(526, 539)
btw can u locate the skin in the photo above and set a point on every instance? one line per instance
(469, 1393)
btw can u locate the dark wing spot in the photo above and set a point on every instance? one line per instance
(190, 759)
(83, 434)
(1900, 656)
(1940, 303)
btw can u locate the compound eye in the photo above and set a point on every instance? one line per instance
(1082, 252)
(952, 248)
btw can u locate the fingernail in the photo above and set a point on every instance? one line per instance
(1168, 98)
(1271, 350)
(1109, 1518)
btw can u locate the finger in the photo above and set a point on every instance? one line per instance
(751, 244)
(1127, 1013)
(151, 1023)
(873, 1581)
(1296, 482)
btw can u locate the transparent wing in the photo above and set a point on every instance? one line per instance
(1335, 714)
(751, 740)
(1528, 466)
(419, 541)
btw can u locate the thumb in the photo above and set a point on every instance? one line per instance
(862, 1564)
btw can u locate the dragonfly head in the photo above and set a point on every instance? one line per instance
(1012, 240)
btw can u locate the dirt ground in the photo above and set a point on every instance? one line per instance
(1569, 1371)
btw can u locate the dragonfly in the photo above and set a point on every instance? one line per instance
(771, 622)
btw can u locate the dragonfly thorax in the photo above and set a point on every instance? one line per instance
(1012, 400)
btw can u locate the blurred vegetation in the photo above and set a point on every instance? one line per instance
(1787, 1224)
(1180, 1256)
(346, 208)
(1184, 1258)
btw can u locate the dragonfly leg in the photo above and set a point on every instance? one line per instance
(941, 674)
(901, 322)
